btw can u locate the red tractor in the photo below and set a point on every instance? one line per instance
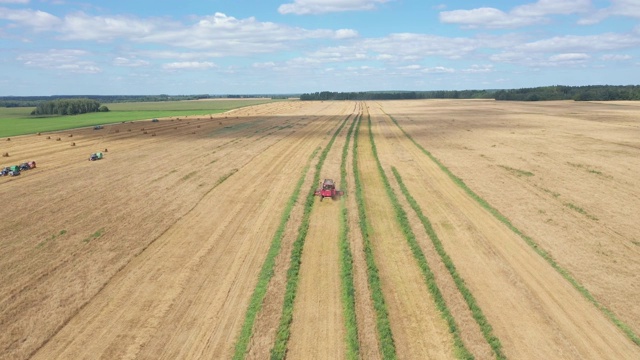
(328, 190)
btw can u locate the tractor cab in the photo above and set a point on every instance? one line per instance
(328, 184)
(14, 170)
(328, 190)
(95, 156)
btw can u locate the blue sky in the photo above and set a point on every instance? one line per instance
(57, 47)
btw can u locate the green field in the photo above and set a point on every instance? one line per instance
(17, 121)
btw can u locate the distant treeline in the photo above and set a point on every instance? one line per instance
(30, 101)
(68, 107)
(577, 93)
(400, 95)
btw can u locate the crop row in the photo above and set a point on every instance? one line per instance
(543, 253)
(387, 345)
(279, 349)
(401, 216)
(346, 261)
(476, 311)
(266, 272)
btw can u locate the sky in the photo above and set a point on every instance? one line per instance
(182, 47)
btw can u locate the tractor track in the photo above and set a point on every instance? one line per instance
(264, 333)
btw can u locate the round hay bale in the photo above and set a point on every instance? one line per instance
(106, 150)
(8, 139)
(58, 139)
(144, 132)
(5, 154)
(38, 134)
(73, 144)
(70, 135)
(48, 137)
(128, 129)
(153, 134)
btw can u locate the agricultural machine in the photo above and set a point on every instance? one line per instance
(28, 165)
(95, 156)
(16, 169)
(328, 190)
(10, 171)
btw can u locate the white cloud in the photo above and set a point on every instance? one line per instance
(226, 35)
(71, 60)
(36, 19)
(614, 57)
(410, 67)
(476, 69)
(629, 8)
(305, 7)
(438, 70)
(80, 26)
(577, 43)
(569, 57)
(552, 7)
(264, 65)
(189, 65)
(485, 17)
(346, 34)
(122, 61)
(519, 16)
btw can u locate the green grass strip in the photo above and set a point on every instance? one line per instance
(279, 350)
(460, 350)
(346, 262)
(266, 273)
(385, 335)
(543, 253)
(478, 315)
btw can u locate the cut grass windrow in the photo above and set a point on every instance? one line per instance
(346, 262)
(266, 273)
(543, 253)
(476, 311)
(385, 336)
(279, 349)
(460, 350)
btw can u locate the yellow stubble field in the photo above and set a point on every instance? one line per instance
(157, 250)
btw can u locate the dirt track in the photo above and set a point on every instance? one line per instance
(318, 318)
(154, 251)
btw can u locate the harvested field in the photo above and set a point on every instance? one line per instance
(158, 249)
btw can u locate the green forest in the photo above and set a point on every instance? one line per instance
(577, 93)
(68, 107)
